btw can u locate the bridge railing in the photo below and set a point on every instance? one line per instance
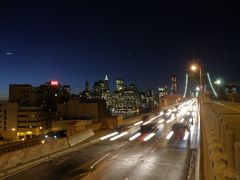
(221, 149)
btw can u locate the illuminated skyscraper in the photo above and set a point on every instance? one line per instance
(86, 94)
(119, 85)
(101, 90)
(174, 85)
(106, 86)
(98, 88)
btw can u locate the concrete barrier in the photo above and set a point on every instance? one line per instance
(230, 136)
(218, 128)
(25, 155)
(79, 137)
(237, 158)
(22, 156)
(14, 162)
(224, 128)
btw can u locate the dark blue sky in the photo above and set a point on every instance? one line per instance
(141, 42)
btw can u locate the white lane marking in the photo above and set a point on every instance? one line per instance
(154, 149)
(99, 160)
(114, 156)
(120, 146)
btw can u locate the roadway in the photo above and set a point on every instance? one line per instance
(157, 158)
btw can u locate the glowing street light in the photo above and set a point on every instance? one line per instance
(218, 82)
(13, 132)
(193, 67)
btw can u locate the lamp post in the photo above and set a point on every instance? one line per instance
(13, 133)
(194, 68)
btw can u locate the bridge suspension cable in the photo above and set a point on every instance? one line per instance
(210, 82)
(186, 85)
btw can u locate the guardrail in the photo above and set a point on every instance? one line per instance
(221, 151)
(19, 145)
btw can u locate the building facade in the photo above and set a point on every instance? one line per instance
(125, 100)
(19, 122)
(75, 109)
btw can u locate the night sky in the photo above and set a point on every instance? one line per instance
(139, 41)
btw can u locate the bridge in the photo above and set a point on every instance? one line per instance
(150, 146)
(220, 133)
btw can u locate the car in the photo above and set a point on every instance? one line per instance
(179, 130)
(55, 134)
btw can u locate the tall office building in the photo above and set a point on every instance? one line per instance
(162, 91)
(106, 85)
(52, 93)
(101, 90)
(86, 94)
(119, 85)
(24, 94)
(98, 88)
(133, 87)
(125, 99)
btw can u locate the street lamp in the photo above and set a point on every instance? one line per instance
(218, 82)
(194, 68)
(197, 88)
(13, 130)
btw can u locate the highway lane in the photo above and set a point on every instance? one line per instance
(64, 166)
(154, 159)
(157, 158)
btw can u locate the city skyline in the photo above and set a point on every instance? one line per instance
(138, 42)
(105, 90)
(90, 86)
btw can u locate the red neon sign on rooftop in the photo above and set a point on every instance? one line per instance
(54, 83)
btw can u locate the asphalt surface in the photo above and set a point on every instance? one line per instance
(157, 158)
